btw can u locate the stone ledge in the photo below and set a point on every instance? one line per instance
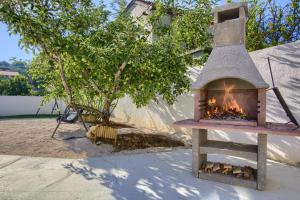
(247, 151)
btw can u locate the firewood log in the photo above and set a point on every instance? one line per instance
(248, 172)
(237, 170)
(225, 171)
(216, 167)
(209, 165)
(227, 166)
(246, 175)
(239, 175)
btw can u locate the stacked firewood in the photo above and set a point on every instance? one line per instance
(218, 113)
(227, 112)
(227, 169)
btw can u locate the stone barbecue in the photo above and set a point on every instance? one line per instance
(230, 94)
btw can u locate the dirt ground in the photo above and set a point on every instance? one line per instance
(31, 137)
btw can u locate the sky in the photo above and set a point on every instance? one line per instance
(9, 44)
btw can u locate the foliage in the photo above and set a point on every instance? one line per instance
(54, 28)
(92, 58)
(270, 24)
(20, 66)
(191, 21)
(16, 86)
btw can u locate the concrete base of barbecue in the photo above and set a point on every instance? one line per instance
(201, 147)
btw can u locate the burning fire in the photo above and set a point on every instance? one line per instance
(230, 108)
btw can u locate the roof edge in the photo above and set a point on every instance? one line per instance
(133, 1)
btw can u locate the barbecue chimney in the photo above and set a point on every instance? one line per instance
(230, 66)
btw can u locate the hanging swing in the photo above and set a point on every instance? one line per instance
(69, 116)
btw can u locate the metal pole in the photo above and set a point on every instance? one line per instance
(82, 121)
(56, 127)
(271, 71)
(55, 106)
(37, 112)
(60, 120)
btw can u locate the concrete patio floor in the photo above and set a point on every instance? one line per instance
(164, 175)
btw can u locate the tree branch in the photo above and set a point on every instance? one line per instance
(58, 59)
(118, 76)
(93, 84)
(87, 108)
(64, 80)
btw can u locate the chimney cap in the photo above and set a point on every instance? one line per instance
(231, 6)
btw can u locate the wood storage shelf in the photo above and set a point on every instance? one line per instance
(202, 147)
(228, 179)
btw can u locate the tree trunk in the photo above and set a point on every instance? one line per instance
(64, 80)
(106, 111)
(56, 58)
(107, 101)
(105, 119)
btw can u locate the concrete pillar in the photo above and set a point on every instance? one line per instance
(199, 104)
(261, 107)
(199, 137)
(216, 18)
(242, 13)
(261, 160)
(197, 97)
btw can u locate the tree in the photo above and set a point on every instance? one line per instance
(16, 86)
(48, 26)
(93, 59)
(271, 24)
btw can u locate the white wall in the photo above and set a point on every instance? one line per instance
(285, 61)
(25, 105)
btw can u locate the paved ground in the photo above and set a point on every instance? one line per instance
(142, 176)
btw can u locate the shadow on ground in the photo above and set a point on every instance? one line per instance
(159, 176)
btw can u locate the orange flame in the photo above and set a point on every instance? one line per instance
(229, 106)
(229, 102)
